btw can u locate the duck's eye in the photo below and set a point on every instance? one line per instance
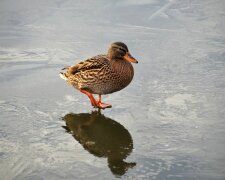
(121, 49)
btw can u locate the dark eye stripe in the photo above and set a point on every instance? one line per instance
(122, 50)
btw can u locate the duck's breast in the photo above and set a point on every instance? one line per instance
(113, 78)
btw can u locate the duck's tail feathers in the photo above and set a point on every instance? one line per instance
(63, 76)
(65, 68)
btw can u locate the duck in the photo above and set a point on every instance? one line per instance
(102, 74)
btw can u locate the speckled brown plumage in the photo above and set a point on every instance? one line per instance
(102, 74)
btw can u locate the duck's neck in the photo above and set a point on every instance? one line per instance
(123, 68)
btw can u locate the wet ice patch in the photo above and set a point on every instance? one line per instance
(176, 107)
(180, 100)
(69, 101)
(134, 2)
(70, 98)
(2, 101)
(50, 55)
(15, 55)
(43, 114)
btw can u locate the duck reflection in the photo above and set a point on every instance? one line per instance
(102, 137)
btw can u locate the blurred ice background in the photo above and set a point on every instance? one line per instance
(174, 108)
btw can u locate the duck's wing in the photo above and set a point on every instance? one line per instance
(95, 63)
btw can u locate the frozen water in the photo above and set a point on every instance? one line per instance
(173, 109)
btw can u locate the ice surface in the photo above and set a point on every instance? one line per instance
(173, 109)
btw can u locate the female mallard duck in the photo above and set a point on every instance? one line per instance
(102, 74)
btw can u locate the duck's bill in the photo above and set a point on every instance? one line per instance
(130, 58)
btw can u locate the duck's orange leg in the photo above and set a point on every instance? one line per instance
(102, 105)
(97, 104)
(91, 97)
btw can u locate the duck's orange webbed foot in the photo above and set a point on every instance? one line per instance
(96, 104)
(102, 105)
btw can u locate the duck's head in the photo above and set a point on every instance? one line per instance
(119, 51)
